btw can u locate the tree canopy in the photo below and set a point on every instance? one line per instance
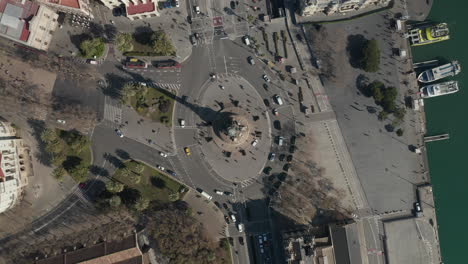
(124, 42)
(162, 45)
(370, 56)
(92, 48)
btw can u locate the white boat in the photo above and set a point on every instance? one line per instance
(437, 73)
(438, 89)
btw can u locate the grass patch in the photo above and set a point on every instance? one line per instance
(153, 184)
(92, 48)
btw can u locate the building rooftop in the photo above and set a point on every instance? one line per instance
(68, 3)
(346, 243)
(125, 251)
(140, 8)
(15, 17)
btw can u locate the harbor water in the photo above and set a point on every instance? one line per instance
(448, 114)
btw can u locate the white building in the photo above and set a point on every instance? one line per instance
(27, 22)
(330, 7)
(14, 167)
(79, 7)
(135, 9)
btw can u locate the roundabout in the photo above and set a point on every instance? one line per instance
(236, 138)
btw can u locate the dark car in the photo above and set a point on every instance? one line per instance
(241, 240)
(281, 157)
(277, 124)
(226, 218)
(189, 19)
(217, 204)
(293, 140)
(292, 149)
(299, 37)
(225, 206)
(172, 173)
(271, 156)
(233, 5)
(267, 170)
(286, 166)
(266, 102)
(265, 86)
(289, 158)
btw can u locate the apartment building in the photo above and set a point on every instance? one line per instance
(79, 7)
(330, 7)
(135, 9)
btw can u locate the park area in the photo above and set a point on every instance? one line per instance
(150, 183)
(147, 43)
(149, 102)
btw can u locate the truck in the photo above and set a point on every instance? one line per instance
(206, 195)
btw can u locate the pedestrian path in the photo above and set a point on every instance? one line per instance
(112, 111)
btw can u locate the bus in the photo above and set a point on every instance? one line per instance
(167, 64)
(136, 63)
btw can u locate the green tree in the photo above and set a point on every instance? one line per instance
(58, 158)
(79, 173)
(114, 187)
(400, 113)
(54, 147)
(58, 173)
(162, 45)
(371, 56)
(49, 135)
(115, 201)
(141, 204)
(92, 48)
(399, 132)
(382, 115)
(250, 19)
(135, 178)
(124, 42)
(139, 168)
(125, 172)
(79, 143)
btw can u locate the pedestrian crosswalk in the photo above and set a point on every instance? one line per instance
(172, 87)
(246, 183)
(112, 111)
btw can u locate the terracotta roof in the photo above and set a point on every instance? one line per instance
(141, 8)
(69, 3)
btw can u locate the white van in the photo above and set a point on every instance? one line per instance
(182, 123)
(278, 99)
(197, 9)
(280, 141)
(246, 40)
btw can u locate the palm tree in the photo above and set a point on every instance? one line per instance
(139, 168)
(115, 201)
(114, 187)
(141, 204)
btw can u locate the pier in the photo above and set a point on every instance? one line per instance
(425, 64)
(436, 138)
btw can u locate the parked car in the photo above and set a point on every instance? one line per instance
(218, 192)
(161, 168)
(240, 227)
(197, 10)
(182, 123)
(271, 156)
(172, 173)
(91, 61)
(255, 142)
(267, 170)
(193, 40)
(119, 133)
(162, 154)
(280, 141)
(251, 60)
(286, 166)
(233, 217)
(266, 78)
(228, 193)
(266, 102)
(233, 5)
(277, 124)
(281, 157)
(275, 111)
(241, 240)
(278, 99)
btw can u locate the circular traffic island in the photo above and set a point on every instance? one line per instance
(237, 141)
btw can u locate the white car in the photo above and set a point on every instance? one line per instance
(182, 123)
(161, 168)
(119, 133)
(266, 78)
(233, 218)
(177, 3)
(240, 227)
(61, 121)
(162, 154)
(197, 9)
(254, 143)
(218, 192)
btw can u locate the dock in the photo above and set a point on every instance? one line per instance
(423, 64)
(436, 138)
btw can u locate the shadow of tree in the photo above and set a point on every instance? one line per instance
(362, 84)
(122, 154)
(77, 39)
(129, 196)
(116, 162)
(158, 182)
(354, 49)
(38, 126)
